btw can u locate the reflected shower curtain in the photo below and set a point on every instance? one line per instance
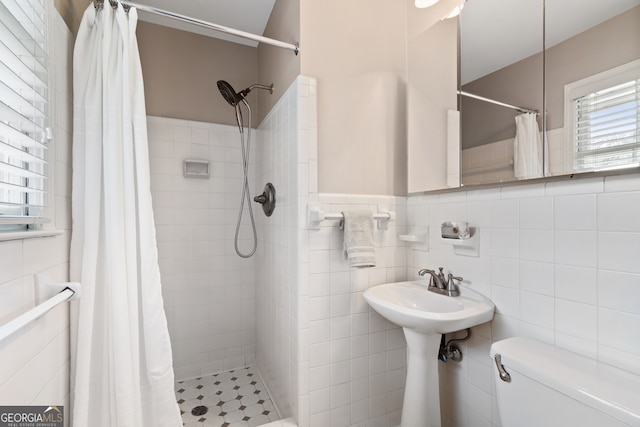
(121, 371)
(527, 147)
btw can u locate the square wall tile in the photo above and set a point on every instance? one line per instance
(619, 251)
(578, 248)
(575, 212)
(576, 319)
(619, 212)
(619, 291)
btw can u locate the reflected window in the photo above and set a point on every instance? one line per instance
(605, 121)
(607, 127)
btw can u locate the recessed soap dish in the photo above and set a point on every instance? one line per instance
(196, 168)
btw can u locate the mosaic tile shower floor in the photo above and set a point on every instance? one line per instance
(235, 398)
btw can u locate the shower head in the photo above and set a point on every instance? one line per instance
(235, 98)
(228, 93)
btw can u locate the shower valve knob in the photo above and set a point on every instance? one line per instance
(267, 199)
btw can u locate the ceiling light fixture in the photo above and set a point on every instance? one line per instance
(421, 4)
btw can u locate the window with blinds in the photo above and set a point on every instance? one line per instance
(23, 113)
(607, 127)
(602, 119)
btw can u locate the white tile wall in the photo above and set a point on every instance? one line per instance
(286, 147)
(559, 260)
(35, 360)
(327, 358)
(209, 291)
(357, 359)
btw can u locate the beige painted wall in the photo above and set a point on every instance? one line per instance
(608, 45)
(356, 50)
(181, 70)
(275, 65)
(71, 12)
(360, 65)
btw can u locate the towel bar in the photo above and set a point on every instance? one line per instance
(315, 216)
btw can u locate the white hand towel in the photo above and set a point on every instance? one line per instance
(358, 238)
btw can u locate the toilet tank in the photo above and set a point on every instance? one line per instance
(551, 387)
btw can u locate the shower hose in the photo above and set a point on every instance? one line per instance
(245, 145)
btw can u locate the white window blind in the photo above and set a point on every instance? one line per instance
(607, 127)
(23, 112)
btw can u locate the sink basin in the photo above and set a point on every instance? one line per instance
(424, 316)
(411, 305)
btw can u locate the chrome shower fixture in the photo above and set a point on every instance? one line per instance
(235, 98)
(267, 199)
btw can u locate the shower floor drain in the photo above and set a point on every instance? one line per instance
(199, 410)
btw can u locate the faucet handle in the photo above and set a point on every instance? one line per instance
(452, 287)
(452, 277)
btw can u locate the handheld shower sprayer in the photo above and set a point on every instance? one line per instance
(235, 99)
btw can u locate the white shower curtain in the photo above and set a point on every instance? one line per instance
(122, 371)
(527, 149)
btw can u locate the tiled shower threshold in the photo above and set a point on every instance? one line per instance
(236, 398)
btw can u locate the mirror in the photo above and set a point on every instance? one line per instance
(432, 108)
(591, 47)
(504, 74)
(501, 78)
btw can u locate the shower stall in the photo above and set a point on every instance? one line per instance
(226, 312)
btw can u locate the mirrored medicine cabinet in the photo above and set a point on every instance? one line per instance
(519, 90)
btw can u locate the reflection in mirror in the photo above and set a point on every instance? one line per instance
(432, 117)
(592, 84)
(501, 77)
(591, 78)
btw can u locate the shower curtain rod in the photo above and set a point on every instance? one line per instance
(502, 104)
(200, 23)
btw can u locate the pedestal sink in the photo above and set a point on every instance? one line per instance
(424, 316)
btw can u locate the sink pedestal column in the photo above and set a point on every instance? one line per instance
(421, 405)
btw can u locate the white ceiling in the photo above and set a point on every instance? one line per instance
(246, 15)
(496, 33)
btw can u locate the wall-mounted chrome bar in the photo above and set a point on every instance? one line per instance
(31, 315)
(200, 23)
(315, 216)
(502, 104)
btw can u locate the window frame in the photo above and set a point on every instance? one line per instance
(594, 83)
(43, 226)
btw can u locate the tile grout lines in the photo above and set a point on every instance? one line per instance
(236, 398)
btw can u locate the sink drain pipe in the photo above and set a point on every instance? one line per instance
(449, 350)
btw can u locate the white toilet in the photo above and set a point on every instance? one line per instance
(539, 385)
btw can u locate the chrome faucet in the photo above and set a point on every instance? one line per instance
(439, 284)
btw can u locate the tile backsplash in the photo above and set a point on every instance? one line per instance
(559, 260)
(208, 290)
(357, 359)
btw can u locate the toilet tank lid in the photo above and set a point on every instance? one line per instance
(611, 390)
